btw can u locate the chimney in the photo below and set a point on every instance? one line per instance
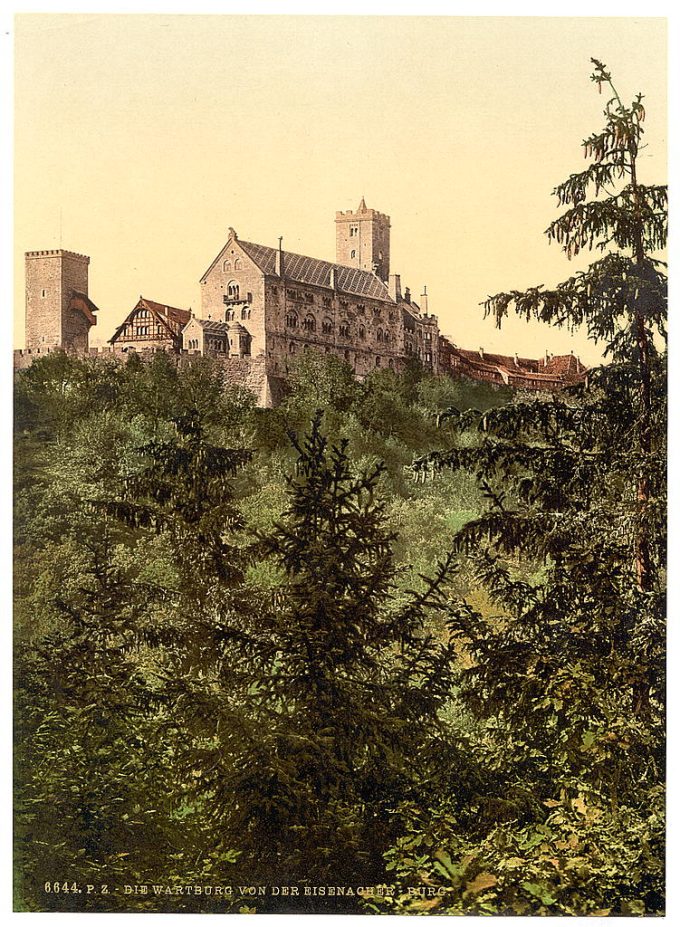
(516, 359)
(423, 300)
(547, 358)
(481, 353)
(334, 279)
(394, 287)
(280, 264)
(407, 295)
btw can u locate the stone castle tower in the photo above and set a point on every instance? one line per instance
(59, 312)
(363, 240)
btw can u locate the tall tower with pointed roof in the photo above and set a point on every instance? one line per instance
(363, 240)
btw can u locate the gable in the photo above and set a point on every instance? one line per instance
(172, 319)
(232, 244)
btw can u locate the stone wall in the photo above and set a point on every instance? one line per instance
(250, 373)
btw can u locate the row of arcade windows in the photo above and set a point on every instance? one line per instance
(309, 325)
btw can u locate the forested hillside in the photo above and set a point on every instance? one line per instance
(393, 647)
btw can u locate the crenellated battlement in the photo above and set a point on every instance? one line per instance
(58, 252)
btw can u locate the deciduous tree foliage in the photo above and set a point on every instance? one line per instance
(566, 668)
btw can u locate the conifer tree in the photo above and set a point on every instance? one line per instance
(343, 691)
(566, 664)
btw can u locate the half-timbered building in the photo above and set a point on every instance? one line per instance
(151, 326)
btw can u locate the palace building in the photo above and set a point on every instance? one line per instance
(275, 304)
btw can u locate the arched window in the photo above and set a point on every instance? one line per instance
(380, 334)
(237, 264)
(292, 320)
(327, 326)
(377, 361)
(232, 290)
(226, 266)
(344, 329)
(362, 333)
(309, 324)
(245, 313)
(291, 348)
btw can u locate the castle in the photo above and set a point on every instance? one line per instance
(261, 306)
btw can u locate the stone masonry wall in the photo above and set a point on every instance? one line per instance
(50, 278)
(74, 325)
(250, 373)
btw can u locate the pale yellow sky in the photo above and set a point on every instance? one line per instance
(141, 138)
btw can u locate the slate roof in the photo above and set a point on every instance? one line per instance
(298, 268)
(213, 325)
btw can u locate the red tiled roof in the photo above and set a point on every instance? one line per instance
(81, 302)
(172, 318)
(502, 360)
(553, 372)
(181, 316)
(565, 365)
